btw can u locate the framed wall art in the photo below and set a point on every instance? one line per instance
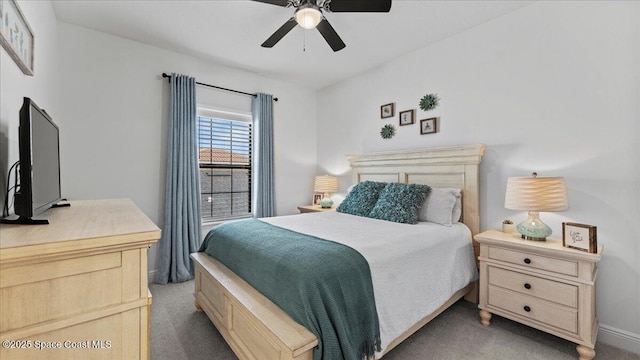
(16, 36)
(407, 117)
(580, 236)
(429, 126)
(387, 111)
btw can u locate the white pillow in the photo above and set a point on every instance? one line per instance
(442, 206)
(339, 198)
(457, 210)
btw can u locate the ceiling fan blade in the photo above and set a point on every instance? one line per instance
(330, 35)
(274, 2)
(280, 33)
(359, 5)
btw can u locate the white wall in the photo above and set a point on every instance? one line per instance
(553, 87)
(114, 108)
(107, 97)
(14, 85)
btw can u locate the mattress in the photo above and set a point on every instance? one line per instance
(414, 268)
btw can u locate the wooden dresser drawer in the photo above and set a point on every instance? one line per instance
(535, 309)
(550, 264)
(558, 292)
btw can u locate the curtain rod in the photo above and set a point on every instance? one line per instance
(165, 75)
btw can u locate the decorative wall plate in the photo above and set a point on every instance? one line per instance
(387, 131)
(429, 102)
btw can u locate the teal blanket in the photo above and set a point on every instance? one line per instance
(323, 285)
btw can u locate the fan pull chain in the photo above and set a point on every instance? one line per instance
(304, 41)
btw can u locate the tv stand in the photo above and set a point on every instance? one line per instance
(24, 221)
(60, 205)
(21, 220)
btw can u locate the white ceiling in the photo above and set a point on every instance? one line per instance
(230, 32)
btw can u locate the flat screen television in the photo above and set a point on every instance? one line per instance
(39, 173)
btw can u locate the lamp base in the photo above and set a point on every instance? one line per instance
(533, 228)
(326, 201)
(530, 238)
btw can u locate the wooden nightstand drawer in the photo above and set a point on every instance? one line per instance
(535, 309)
(558, 292)
(565, 267)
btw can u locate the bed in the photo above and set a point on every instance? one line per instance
(255, 328)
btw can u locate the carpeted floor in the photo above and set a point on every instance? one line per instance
(178, 331)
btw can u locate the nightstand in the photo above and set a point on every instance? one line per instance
(540, 284)
(314, 208)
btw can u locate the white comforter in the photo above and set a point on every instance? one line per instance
(414, 268)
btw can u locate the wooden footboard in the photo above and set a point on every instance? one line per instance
(253, 326)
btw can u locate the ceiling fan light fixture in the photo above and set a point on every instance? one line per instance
(308, 16)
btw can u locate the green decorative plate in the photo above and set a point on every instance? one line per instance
(387, 131)
(429, 101)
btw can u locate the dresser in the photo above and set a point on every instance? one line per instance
(540, 284)
(77, 288)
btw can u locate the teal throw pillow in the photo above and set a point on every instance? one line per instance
(400, 203)
(362, 198)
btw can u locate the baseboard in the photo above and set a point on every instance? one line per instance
(619, 338)
(151, 276)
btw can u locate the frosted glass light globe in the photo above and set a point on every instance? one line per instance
(308, 16)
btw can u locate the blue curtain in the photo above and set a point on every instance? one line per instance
(181, 234)
(262, 108)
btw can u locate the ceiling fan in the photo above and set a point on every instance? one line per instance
(308, 14)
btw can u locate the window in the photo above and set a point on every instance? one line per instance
(225, 141)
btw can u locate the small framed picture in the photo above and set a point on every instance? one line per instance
(407, 117)
(316, 199)
(580, 236)
(428, 126)
(387, 111)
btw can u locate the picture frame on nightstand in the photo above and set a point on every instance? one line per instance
(580, 236)
(316, 198)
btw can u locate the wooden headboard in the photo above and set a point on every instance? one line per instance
(453, 166)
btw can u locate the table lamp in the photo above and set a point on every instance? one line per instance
(534, 194)
(326, 184)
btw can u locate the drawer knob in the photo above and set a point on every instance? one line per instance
(526, 308)
(527, 261)
(527, 286)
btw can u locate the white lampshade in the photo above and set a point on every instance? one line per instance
(308, 16)
(325, 184)
(534, 194)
